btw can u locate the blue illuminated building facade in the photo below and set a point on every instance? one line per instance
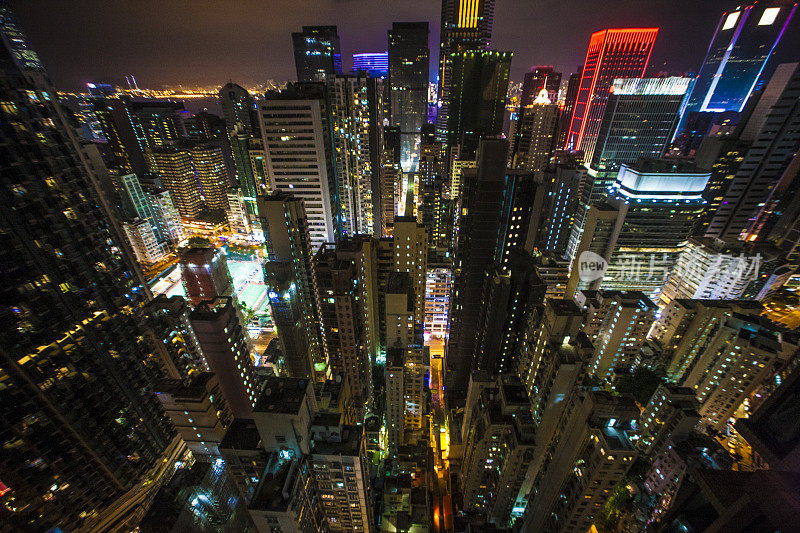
(742, 44)
(664, 199)
(375, 63)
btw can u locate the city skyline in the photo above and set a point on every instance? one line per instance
(359, 302)
(206, 46)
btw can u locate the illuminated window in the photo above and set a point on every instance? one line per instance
(730, 20)
(769, 16)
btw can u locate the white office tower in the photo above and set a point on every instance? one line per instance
(144, 242)
(295, 127)
(238, 218)
(162, 201)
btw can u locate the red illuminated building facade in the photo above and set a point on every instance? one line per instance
(613, 53)
(205, 275)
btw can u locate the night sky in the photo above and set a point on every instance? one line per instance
(208, 42)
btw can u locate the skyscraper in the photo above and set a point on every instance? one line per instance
(743, 42)
(465, 25)
(501, 436)
(664, 199)
(535, 80)
(763, 165)
(317, 53)
(339, 299)
(77, 406)
(535, 137)
(409, 58)
(390, 177)
(299, 161)
(174, 166)
(208, 161)
(356, 103)
(612, 53)
(594, 437)
(223, 337)
(290, 281)
(639, 120)
(478, 92)
(621, 332)
(237, 107)
(571, 95)
(205, 274)
(482, 209)
(433, 208)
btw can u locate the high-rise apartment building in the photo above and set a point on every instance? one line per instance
(391, 175)
(168, 318)
(198, 410)
(161, 200)
(669, 416)
(438, 291)
(289, 276)
(144, 206)
(498, 451)
(511, 294)
(613, 53)
(174, 167)
(223, 337)
(710, 269)
(298, 149)
(584, 461)
(409, 59)
(763, 165)
(342, 322)
(357, 110)
(317, 53)
(738, 357)
(622, 332)
(480, 221)
(743, 42)
(685, 324)
(434, 209)
(238, 218)
(406, 363)
(208, 161)
(411, 255)
(82, 425)
(156, 123)
(639, 120)
(144, 242)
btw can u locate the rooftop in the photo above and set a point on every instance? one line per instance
(282, 395)
(179, 389)
(241, 435)
(564, 307)
(269, 495)
(349, 443)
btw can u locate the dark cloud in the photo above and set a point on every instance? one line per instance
(209, 42)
